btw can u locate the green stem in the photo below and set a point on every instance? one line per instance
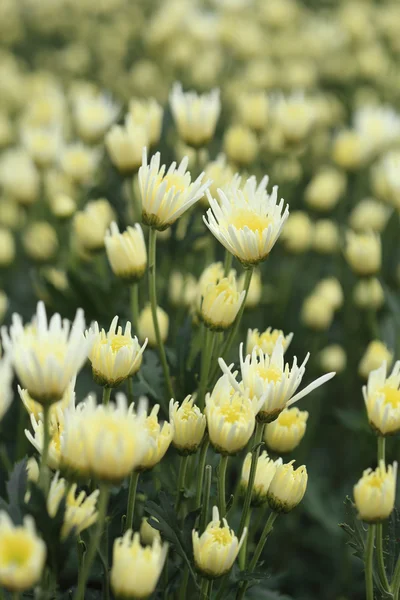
(369, 554)
(395, 584)
(135, 306)
(104, 562)
(379, 528)
(257, 553)
(243, 549)
(200, 475)
(7, 464)
(106, 395)
(131, 396)
(16, 596)
(209, 339)
(153, 302)
(94, 542)
(206, 502)
(223, 462)
(181, 481)
(205, 588)
(183, 589)
(232, 334)
(252, 475)
(21, 437)
(133, 481)
(227, 262)
(43, 474)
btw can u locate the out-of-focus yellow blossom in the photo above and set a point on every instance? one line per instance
(147, 533)
(325, 189)
(114, 355)
(266, 340)
(126, 252)
(12, 216)
(189, 425)
(216, 549)
(378, 126)
(22, 554)
(136, 569)
(91, 224)
(253, 109)
(93, 115)
(287, 487)
(248, 221)
(62, 206)
(221, 303)
(382, 399)
(297, 235)
(211, 275)
(374, 493)
(125, 145)
(182, 290)
(106, 442)
(6, 377)
(255, 291)
(42, 144)
(160, 437)
(40, 241)
(6, 130)
(36, 409)
(386, 178)
(240, 144)
(286, 433)
(363, 252)
(326, 236)
(316, 312)
(265, 471)
(166, 195)
(333, 358)
(269, 381)
(19, 177)
(79, 162)
(375, 354)
(369, 215)
(80, 509)
(148, 113)
(7, 247)
(347, 150)
(330, 289)
(146, 325)
(294, 115)
(56, 427)
(57, 182)
(195, 115)
(220, 173)
(368, 293)
(231, 417)
(46, 355)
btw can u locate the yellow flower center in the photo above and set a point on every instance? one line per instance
(118, 341)
(269, 337)
(221, 535)
(15, 549)
(175, 180)
(186, 412)
(248, 218)
(45, 348)
(392, 395)
(152, 426)
(270, 373)
(287, 418)
(375, 480)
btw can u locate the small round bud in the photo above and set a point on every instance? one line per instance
(146, 325)
(286, 432)
(287, 487)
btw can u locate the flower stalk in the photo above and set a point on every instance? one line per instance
(133, 481)
(223, 462)
(134, 291)
(201, 466)
(43, 478)
(379, 528)
(253, 468)
(369, 555)
(209, 339)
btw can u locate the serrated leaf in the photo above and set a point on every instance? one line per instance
(354, 529)
(16, 489)
(150, 377)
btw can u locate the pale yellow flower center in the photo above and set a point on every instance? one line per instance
(175, 180)
(269, 337)
(375, 480)
(15, 549)
(222, 536)
(270, 373)
(391, 395)
(248, 218)
(118, 341)
(231, 412)
(152, 426)
(287, 419)
(186, 412)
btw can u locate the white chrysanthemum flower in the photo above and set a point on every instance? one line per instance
(189, 425)
(148, 114)
(287, 487)
(272, 382)
(115, 355)
(375, 493)
(37, 410)
(382, 399)
(47, 355)
(247, 222)
(266, 340)
(126, 252)
(265, 471)
(125, 145)
(93, 115)
(6, 377)
(377, 126)
(295, 115)
(159, 434)
(166, 195)
(42, 144)
(195, 115)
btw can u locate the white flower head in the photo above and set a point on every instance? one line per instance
(382, 399)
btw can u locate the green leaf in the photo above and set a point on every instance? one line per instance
(354, 529)
(150, 381)
(16, 489)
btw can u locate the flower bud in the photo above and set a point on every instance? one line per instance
(40, 241)
(297, 235)
(286, 432)
(326, 236)
(330, 289)
(189, 425)
(265, 471)
(126, 252)
(316, 313)
(347, 151)
(42, 144)
(19, 177)
(93, 115)
(325, 189)
(90, 225)
(182, 289)
(146, 325)
(221, 303)
(220, 173)
(369, 215)
(195, 115)
(79, 163)
(333, 358)
(160, 437)
(149, 114)
(240, 145)
(147, 533)
(373, 357)
(374, 493)
(253, 110)
(369, 294)
(363, 252)
(62, 206)
(287, 487)
(125, 145)
(7, 247)
(216, 549)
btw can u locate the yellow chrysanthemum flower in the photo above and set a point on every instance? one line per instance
(189, 425)
(265, 471)
(287, 431)
(374, 494)
(287, 487)
(160, 436)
